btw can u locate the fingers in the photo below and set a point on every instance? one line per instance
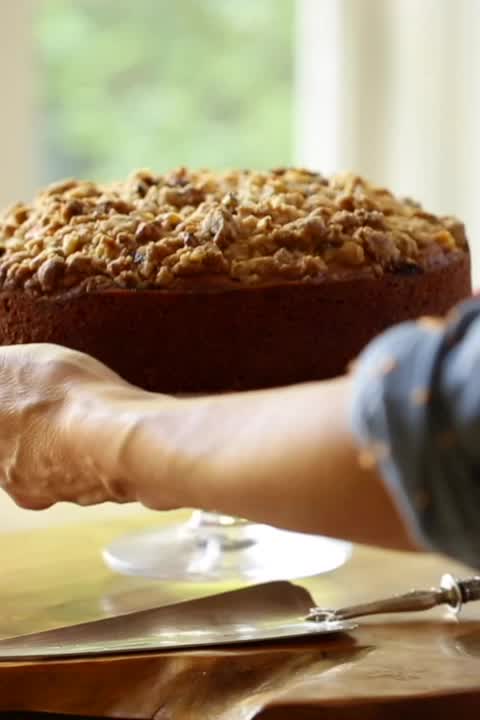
(58, 411)
(29, 502)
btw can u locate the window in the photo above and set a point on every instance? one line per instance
(158, 84)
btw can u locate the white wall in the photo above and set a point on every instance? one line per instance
(16, 101)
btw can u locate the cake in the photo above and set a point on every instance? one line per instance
(195, 281)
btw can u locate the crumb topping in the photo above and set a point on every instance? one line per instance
(239, 227)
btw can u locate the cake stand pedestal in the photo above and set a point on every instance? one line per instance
(216, 548)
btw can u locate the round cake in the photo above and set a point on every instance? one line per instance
(195, 281)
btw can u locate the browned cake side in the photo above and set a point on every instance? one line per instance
(235, 339)
(196, 281)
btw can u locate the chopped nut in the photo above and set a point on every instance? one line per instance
(51, 273)
(457, 229)
(8, 230)
(147, 232)
(125, 239)
(379, 245)
(218, 224)
(164, 277)
(346, 202)
(189, 240)
(445, 239)
(79, 263)
(73, 207)
(20, 214)
(118, 266)
(350, 253)
(71, 243)
(61, 187)
(171, 220)
(141, 188)
(230, 200)
(181, 196)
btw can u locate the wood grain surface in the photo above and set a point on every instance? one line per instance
(424, 666)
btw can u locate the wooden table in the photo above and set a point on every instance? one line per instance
(418, 666)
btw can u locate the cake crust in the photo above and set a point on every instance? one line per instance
(237, 339)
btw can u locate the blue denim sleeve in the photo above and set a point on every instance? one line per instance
(416, 411)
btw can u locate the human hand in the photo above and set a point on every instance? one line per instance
(60, 427)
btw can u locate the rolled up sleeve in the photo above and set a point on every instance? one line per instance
(416, 409)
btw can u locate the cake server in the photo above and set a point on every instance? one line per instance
(273, 611)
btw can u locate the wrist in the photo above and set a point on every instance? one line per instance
(157, 451)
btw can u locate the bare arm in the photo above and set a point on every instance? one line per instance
(72, 430)
(285, 457)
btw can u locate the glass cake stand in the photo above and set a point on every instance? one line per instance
(210, 547)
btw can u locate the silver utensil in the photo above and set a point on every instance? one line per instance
(274, 611)
(452, 592)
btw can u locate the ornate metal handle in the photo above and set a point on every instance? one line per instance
(452, 592)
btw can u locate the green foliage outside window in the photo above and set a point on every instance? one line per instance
(162, 83)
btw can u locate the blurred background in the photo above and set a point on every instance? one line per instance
(387, 88)
(114, 85)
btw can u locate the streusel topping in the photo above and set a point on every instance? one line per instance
(238, 227)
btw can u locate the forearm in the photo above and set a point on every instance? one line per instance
(284, 457)
(291, 460)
